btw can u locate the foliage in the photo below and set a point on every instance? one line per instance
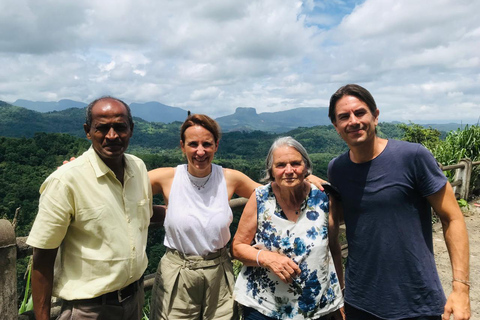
(237, 267)
(458, 144)
(429, 137)
(462, 203)
(27, 303)
(390, 130)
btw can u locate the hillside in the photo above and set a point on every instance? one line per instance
(20, 122)
(247, 119)
(153, 137)
(158, 112)
(244, 119)
(47, 106)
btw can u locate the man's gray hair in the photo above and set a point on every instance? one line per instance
(288, 142)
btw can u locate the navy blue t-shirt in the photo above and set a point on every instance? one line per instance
(390, 271)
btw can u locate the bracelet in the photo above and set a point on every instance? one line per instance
(465, 282)
(258, 253)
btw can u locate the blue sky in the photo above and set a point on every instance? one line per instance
(419, 59)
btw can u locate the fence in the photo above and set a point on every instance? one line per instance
(13, 248)
(463, 175)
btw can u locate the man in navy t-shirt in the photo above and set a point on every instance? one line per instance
(387, 189)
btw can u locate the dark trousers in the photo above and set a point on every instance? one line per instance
(252, 314)
(353, 313)
(106, 307)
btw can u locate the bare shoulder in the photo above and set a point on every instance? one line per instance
(239, 183)
(232, 174)
(161, 180)
(236, 177)
(159, 174)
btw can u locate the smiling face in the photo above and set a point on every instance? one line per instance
(354, 121)
(288, 168)
(110, 131)
(199, 147)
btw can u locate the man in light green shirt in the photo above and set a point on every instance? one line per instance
(90, 234)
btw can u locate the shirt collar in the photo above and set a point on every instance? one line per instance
(102, 169)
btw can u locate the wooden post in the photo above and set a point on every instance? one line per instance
(463, 174)
(8, 274)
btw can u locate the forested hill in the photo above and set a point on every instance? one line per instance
(156, 137)
(20, 122)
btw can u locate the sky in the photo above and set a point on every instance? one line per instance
(419, 59)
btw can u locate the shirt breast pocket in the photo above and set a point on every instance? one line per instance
(88, 218)
(143, 213)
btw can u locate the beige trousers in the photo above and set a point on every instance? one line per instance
(193, 287)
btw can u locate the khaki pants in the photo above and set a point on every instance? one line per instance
(193, 287)
(97, 309)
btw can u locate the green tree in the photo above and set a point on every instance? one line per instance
(429, 137)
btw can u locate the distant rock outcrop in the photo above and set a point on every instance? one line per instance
(247, 119)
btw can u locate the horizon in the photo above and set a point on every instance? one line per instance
(421, 122)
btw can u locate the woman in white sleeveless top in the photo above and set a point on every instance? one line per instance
(194, 278)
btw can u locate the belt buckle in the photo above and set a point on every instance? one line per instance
(119, 296)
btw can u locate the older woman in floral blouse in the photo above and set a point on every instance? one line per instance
(284, 239)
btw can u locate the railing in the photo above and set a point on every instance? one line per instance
(463, 174)
(13, 248)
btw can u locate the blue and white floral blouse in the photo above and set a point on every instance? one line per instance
(316, 291)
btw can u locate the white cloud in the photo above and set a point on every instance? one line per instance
(418, 58)
(208, 93)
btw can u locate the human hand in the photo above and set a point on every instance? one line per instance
(316, 181)
(337, 315)
(67, 161)
(458, 304)
(284, 267)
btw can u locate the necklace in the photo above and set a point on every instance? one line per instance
(302, 206)
(197, 182)
(297, 208)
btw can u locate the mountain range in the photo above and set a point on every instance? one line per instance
(244, 119)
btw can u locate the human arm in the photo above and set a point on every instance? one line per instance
(239, 183)
(456, 239)
(158, 217)
(161, 180)
(284, 267)
(334, 218)
(333, 238)
(42, 281)
(316, 181)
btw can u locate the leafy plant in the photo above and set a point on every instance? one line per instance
(429, 137)
(237, 267)
(146, 310)
(27, 303)
(460, 144)
(462, 203)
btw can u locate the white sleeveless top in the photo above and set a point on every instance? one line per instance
(198, 219)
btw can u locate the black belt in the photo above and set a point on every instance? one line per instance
(114, 297)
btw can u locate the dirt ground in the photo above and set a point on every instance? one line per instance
(472, 219)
